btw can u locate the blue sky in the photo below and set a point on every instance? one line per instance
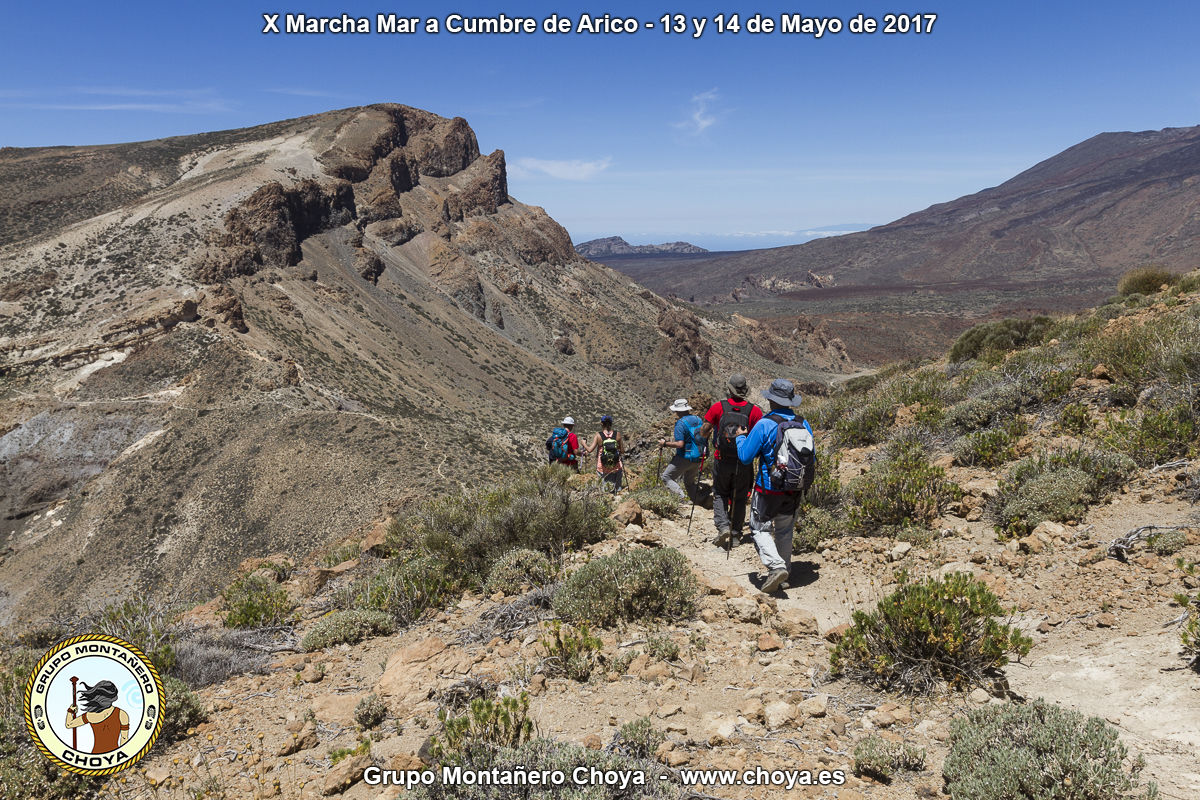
(728, 140)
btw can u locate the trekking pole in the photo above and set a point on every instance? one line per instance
(75, 703)
(737, 465)
(690, 513)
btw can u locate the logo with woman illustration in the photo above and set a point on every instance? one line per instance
(94, 704)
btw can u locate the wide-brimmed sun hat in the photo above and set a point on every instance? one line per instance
(738, 387)
(681, 405)
(782, 392)
(568, 421)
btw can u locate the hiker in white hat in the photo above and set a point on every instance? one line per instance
(689, 449)
(563, 445)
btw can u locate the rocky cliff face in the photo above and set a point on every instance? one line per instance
(278, 334)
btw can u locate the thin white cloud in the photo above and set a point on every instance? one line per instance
(701, 116)
(759, 234)
(574, 170)
(119, 98)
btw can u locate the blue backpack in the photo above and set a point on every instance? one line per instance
(692, 446)
(557, 444)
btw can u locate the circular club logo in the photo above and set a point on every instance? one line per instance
(94, 705)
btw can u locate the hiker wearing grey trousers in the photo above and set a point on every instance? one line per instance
(689, 471)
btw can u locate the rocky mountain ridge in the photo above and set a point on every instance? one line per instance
(246, 341)
(1113, 202)
(615, 246)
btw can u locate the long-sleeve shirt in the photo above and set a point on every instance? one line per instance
(760, 442)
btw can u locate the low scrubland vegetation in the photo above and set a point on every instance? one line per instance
(1039, 751)
(482, 539)
(1121, 382)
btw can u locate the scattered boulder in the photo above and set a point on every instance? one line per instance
(796, 622)
(345, 774)
(629, 513)
(817, 706)
(744, 609)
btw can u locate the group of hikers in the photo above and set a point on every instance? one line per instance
(780, 441)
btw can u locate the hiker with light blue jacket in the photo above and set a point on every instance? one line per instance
(689, 449)
(780, 480)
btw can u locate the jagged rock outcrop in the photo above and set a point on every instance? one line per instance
(266, 230)
(685, 349)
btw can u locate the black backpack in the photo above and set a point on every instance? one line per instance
(610, 450)
(794, 461)
(732, 418)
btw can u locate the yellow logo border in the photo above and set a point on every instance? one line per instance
(28, 704)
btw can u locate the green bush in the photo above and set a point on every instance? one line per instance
(544, 754)
(868, 424)
(1038, 751)
(370, 712)
(1145, 280)
(1163, 351)
(638, 739)
(659, 499)
(1167, 543)
(1057, 486)
(903, 489)
(570, 653)
(629, 585)
(990, 340)
(404, 589)
(1075, 419)
(824, 412)
(471, 530)
(517, 568)
(255, 601)
(929, 631)
(815, 525)
(826, 490)
(502, 722)
(181, 710)
(664, 648)
(1154, 436)
(995, 404)
(990, 447)
(1188, 283)
(877, 758)
(1059, 495)
(347, 627)
(148, 627)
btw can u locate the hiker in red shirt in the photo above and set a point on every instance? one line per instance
(563, 445)
(731, 479)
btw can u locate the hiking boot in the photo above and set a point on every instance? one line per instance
(724, 538)
(774, 580)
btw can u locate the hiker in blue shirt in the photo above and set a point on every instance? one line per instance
(689, 447)
(772, 511)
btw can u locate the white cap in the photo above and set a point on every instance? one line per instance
(568, 421)
(681, 405)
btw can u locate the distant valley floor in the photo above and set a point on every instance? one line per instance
(879, 323)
